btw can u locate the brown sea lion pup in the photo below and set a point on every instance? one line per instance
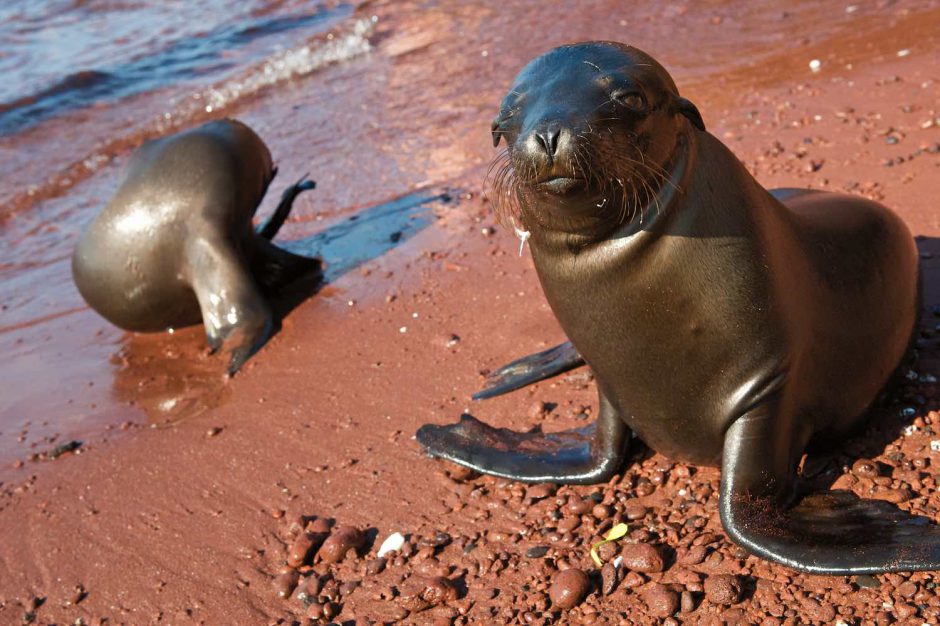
(725, 324)
(175, 244)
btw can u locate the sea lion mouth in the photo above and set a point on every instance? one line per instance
(560, 185)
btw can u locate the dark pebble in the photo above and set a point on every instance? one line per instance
(536, 552)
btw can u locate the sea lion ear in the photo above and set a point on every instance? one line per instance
(686, 108)
(494, 129)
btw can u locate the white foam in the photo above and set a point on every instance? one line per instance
(293, 63)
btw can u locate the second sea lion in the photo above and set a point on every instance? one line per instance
(175, 244)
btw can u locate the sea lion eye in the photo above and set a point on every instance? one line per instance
(633, 100)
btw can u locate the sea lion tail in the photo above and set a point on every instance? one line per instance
(530, 369)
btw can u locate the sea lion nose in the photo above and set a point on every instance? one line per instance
(548, 139)
(546, 142)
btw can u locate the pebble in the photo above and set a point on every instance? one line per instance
(341, 541)
(539, 410)
(610, 576)
(634, 510)
(865, 468)
(419, 593)
(579, 506)
(907, 589)
(569, 524)
(867, 581)
(723, 589)
(661, 600)
(536, 552)
(642, 557)
(284, 584)
(686, 602)
(540, 491)
(569, 588)
(312, 586)
(692, 556)
(460, 473)
(633, 579)
(300, 549)
(319, 526)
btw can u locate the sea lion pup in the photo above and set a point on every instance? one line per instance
(725, 324)
(175, 244)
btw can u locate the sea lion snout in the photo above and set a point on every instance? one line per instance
(548, 156)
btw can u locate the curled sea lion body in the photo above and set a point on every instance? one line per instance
(175, 244)
(725, 324)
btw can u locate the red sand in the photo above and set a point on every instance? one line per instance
(182, 521)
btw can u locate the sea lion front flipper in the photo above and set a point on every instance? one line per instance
(235, 314)
(581, 456)
(274, 223)
(835, 532)
(530, 369)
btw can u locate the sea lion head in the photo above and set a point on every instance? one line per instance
(591, 131)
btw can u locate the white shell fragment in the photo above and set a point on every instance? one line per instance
(392, 543)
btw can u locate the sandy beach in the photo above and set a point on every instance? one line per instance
(189, 490)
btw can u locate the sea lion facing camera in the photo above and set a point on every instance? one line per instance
(725, 324)
(175, 244)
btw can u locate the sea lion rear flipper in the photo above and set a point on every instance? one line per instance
(274, 223)
(581, 456)
(235, 314)
(530, 369)
(275, 267)
(835, 532)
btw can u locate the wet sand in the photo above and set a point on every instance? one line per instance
(181, 504)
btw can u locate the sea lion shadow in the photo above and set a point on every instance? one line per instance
(172, 376)
(911, 394)
(356, 240)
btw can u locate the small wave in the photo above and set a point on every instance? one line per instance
(293, 64)
(191, 57)
(340, 45)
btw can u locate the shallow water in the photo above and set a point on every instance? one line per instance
(376, 99)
